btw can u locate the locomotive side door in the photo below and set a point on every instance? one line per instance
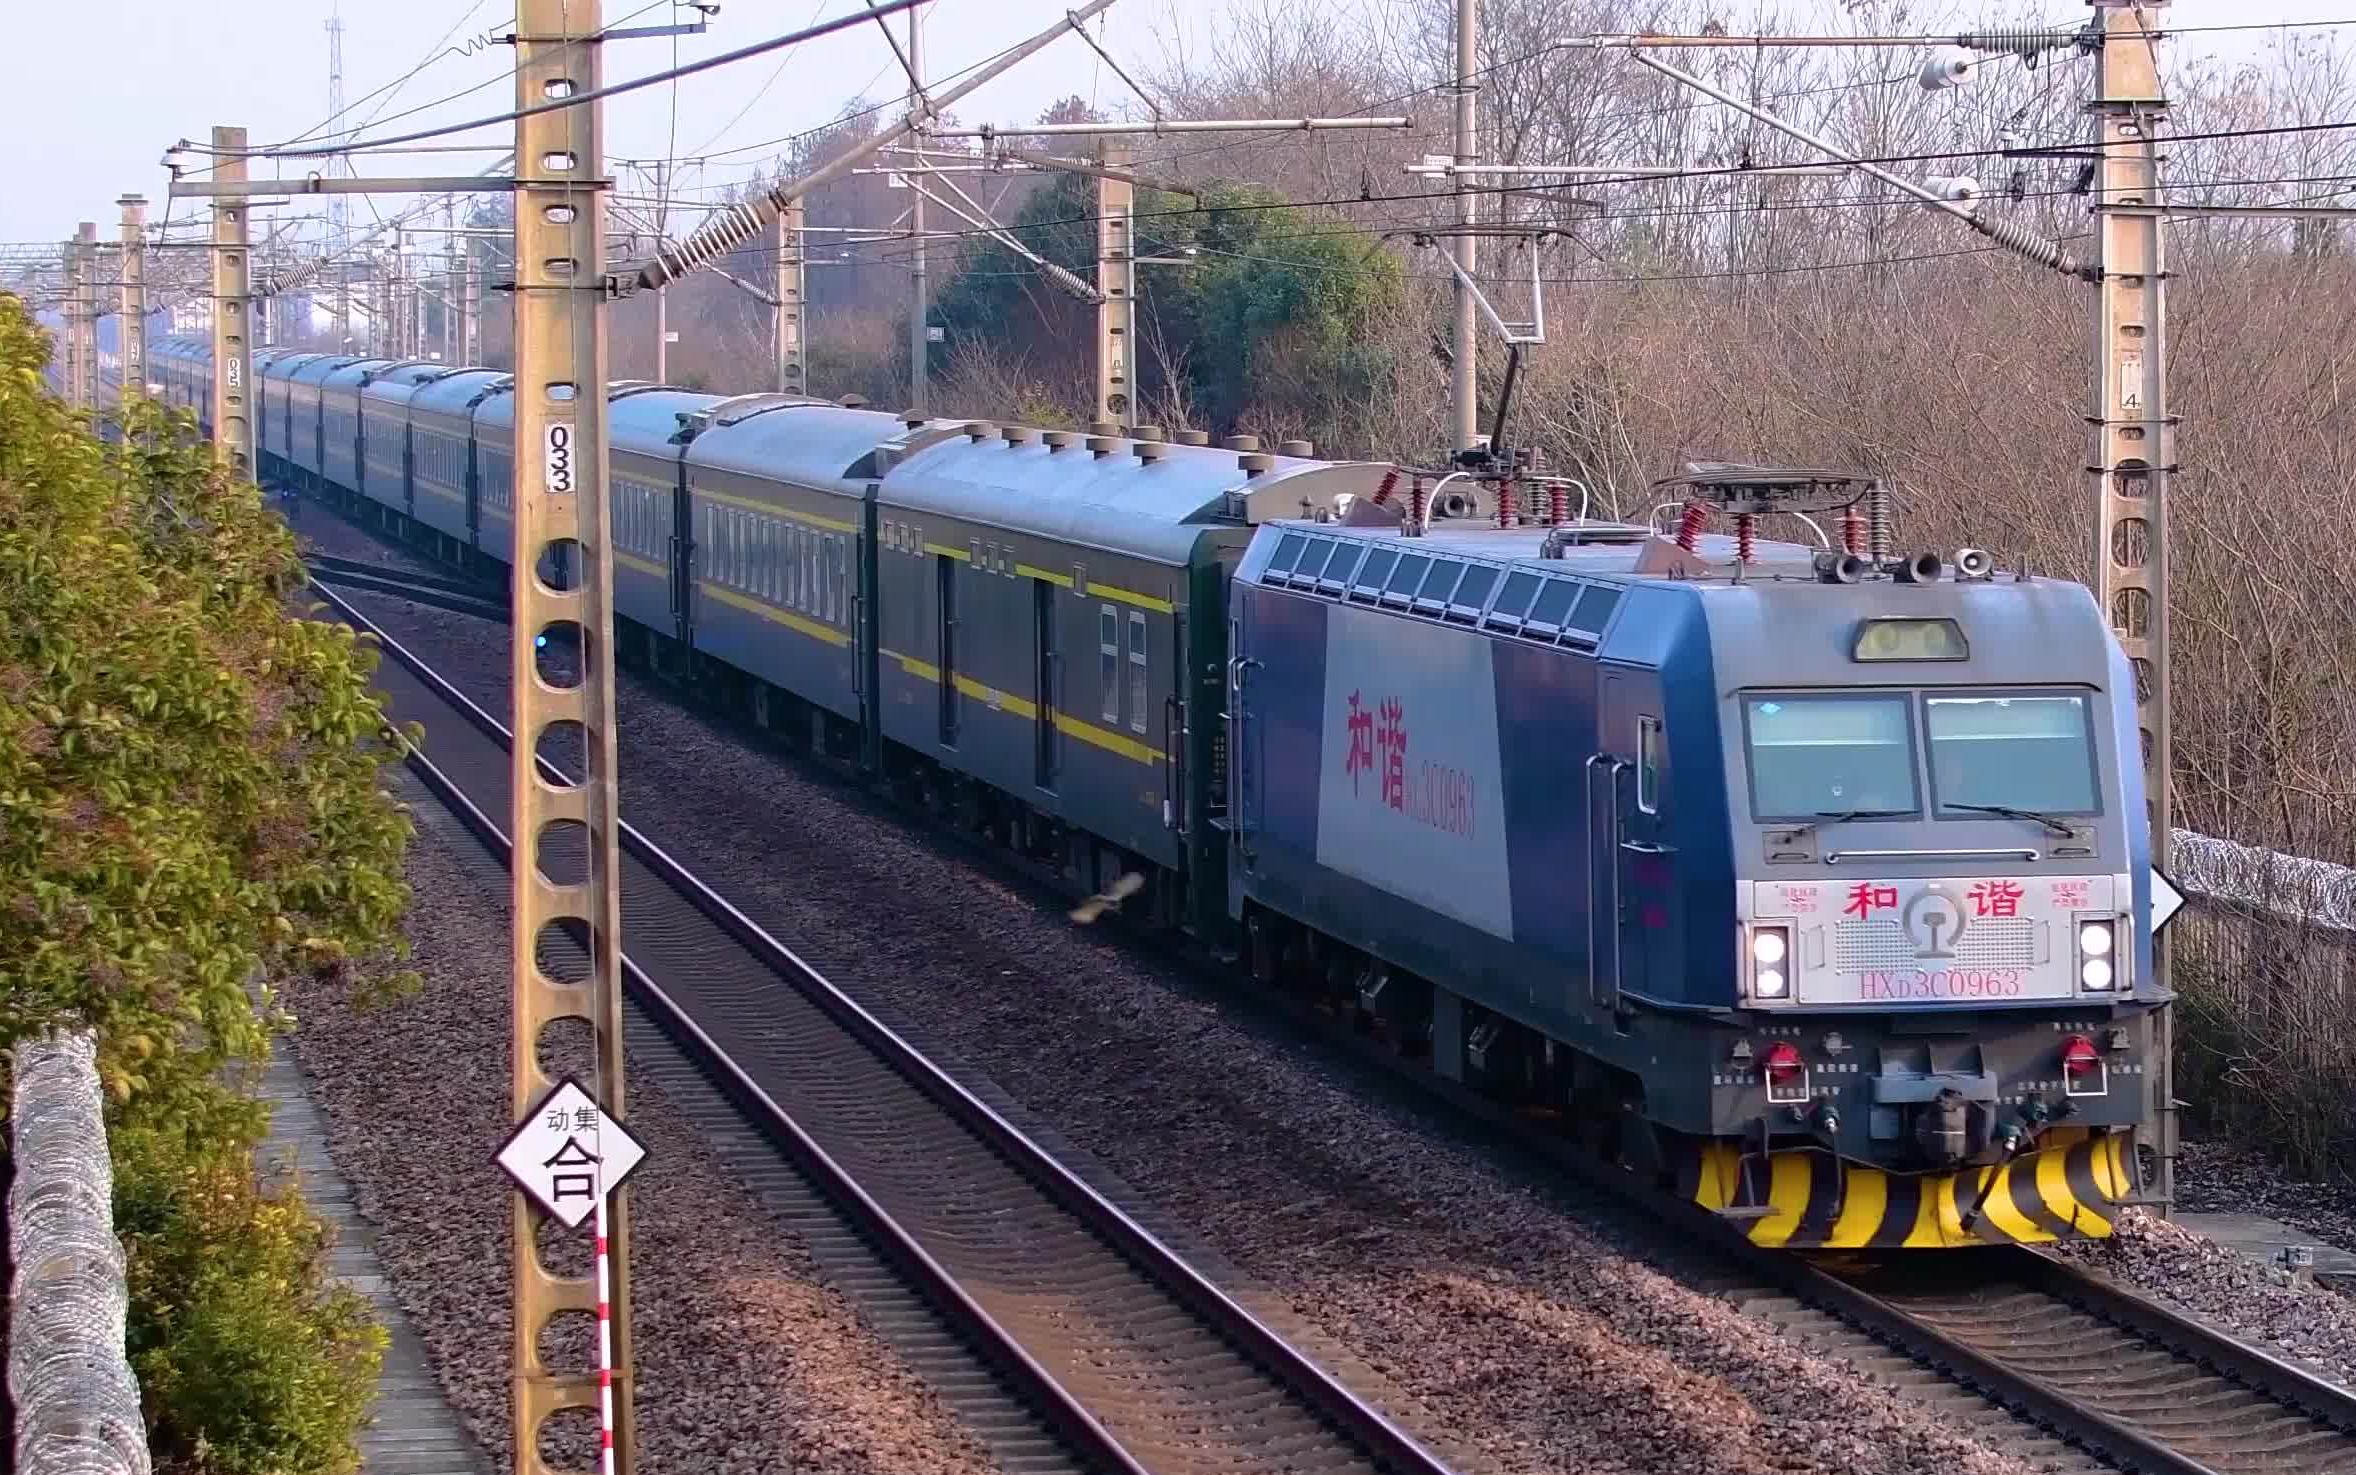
(1629, 862)
(1243, 758)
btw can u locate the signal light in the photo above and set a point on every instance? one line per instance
(2079, 1058)
(1781, 1065)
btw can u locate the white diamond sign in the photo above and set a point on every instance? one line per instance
(2166, 900)
(568, 1153)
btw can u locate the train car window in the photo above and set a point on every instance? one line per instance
(1288, 553)
(2012, 750)
(1369, 583)
(1812, 756)
(1473, 593)
(1137, 672)
(1513, 601)
(1438, 585)
(1340, 567)
(1412, 568)
(1595, 608)
(1108, 647)
(1648, 765)
(1313, 560)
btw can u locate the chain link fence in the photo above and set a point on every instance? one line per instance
(77, 1403)
(2263, 959)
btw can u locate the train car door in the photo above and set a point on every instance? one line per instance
(1632, 878)
(683, 553)
(1243, 755)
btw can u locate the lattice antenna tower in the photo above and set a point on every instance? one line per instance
(340, 165)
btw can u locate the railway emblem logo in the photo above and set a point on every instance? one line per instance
(1933, 923)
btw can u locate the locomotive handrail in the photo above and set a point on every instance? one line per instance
(2026, 852)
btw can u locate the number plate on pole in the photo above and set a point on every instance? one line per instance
(556, 460)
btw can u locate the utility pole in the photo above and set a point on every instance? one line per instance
(2134, 435)
(561, 527)
(233, 427)
(470, 309)
(662, 297)
(132, 333)
(919, 286)
(86, 316)
(793, 375)
(1466, 382)
(396, 315)
(1116, 280)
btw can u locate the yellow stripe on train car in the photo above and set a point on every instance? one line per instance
(998, 699)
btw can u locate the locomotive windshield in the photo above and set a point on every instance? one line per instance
(2011, 750)
(1813, 756)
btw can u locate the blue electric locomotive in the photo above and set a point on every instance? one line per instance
(1815, 886)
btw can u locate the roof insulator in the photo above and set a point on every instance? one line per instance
(1104, 445)
(1254, 462)
(1296, 448)
(979, 430)
(1058, 439)
(1103, 427)
(1147, 432)
(853, 401)
(1193, 437)
(1243, 442)
(1151, 450)
(1019, 435)
(912, 420)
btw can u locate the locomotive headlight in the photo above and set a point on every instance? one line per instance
(2096, 940)
(1770, 946)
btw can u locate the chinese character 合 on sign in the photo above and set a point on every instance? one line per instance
(1996, 898)
(1361, 729)
(1391, 737)
(564, 1185)
(1865, 897)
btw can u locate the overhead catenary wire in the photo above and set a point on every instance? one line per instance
(652, 79)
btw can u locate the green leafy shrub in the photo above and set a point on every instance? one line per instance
(189, 800)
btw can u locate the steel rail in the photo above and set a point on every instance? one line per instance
(1357, 1422)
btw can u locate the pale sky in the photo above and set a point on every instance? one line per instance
(102, 87)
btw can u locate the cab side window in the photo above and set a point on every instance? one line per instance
(1648, 765)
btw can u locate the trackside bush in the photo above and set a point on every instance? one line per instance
(189, 800)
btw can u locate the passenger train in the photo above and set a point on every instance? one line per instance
(1816, 887)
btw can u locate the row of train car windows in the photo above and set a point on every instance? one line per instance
(982, 555)
(785, 563)
(1529, 603)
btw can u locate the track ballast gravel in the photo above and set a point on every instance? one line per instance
(747, 1363)
(1513, 1330)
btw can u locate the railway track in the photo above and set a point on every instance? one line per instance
(1066, 1313)
(2058, 1364)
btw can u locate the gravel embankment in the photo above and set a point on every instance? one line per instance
(1514, 1329)
(747, 1364)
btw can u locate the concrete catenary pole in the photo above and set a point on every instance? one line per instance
(919, 286)
(562, 534)
(1465, 377)
(1116, 307)
(233, 426)
(2134, 435)
(132, 332)
(86, 315)
(793, 374)
(69, 379)
(662, 296)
